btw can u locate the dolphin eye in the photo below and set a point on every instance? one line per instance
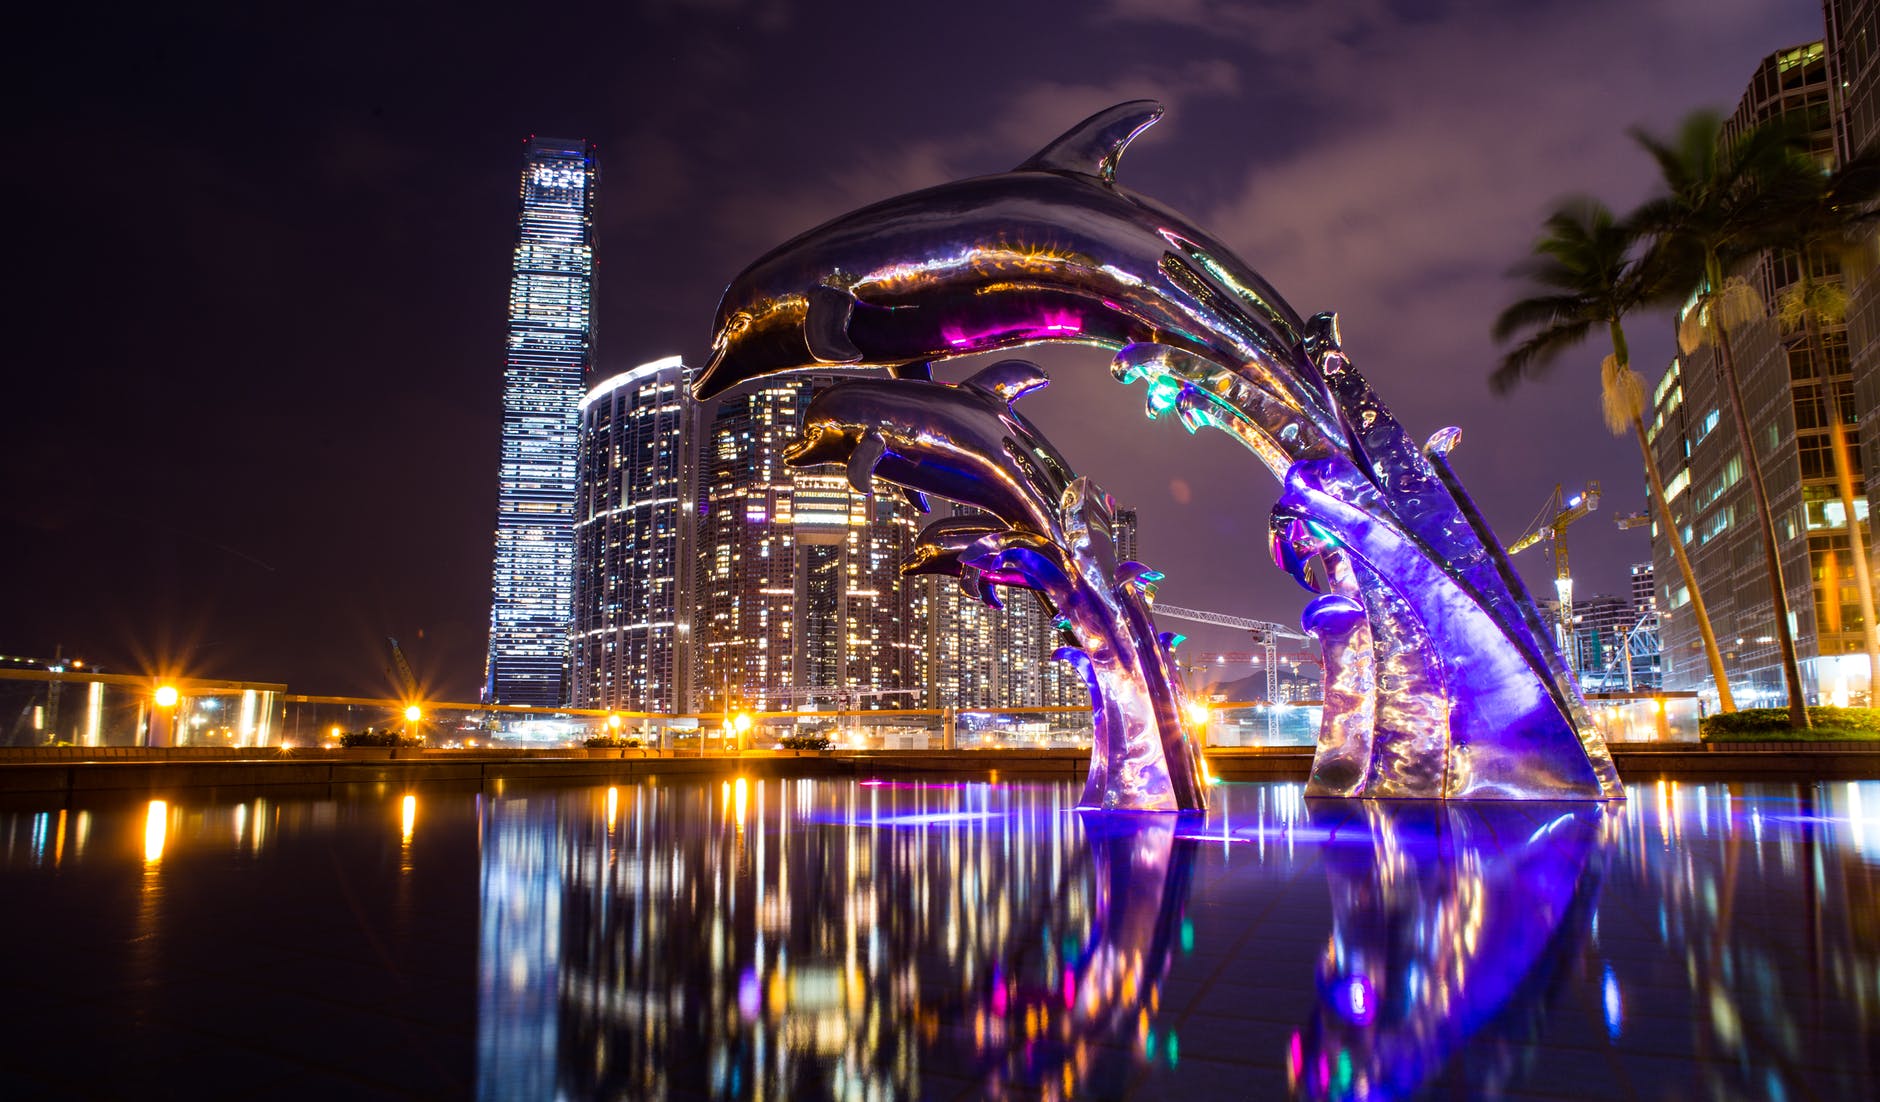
(738, 323)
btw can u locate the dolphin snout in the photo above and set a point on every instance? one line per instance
(820, 443)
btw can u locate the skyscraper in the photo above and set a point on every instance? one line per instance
(799, 590)
(550, 349)
(633, 542)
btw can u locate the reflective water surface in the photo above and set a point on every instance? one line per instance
(875, 940)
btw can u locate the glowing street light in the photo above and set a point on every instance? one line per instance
(163, 717)
(413, 713)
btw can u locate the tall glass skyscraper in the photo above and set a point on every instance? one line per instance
(633, 542)
(550, 349)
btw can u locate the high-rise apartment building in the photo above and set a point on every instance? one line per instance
(800, 598)
(1794, 394)
(550, 349)
(633, 542)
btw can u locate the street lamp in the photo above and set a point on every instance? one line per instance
(743, 724)
(163, 716)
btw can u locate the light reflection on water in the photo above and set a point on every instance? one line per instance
(887, 941)
(799, 939)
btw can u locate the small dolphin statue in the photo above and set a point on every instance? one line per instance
(1042, 528)
(1440, 680)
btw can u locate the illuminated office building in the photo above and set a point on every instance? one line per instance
(633, 568)
(550, 349)
(800, 598)
(1794, 395)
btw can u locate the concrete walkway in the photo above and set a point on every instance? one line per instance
(131, 770)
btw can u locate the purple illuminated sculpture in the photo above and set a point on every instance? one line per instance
(1440, 679)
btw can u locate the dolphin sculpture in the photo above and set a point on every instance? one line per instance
(1043, 529)
(1441, 682)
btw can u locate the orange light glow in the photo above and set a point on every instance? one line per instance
(156, 829)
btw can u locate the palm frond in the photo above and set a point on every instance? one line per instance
(1532, 358)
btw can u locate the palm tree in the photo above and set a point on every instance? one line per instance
(1723, 201)
(1587, 274)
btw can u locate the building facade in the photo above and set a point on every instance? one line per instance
(633, 542)
(1644, 592)
(550, 351)
(799, 595)
(1795, 390)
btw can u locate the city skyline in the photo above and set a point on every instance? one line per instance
(275, 515)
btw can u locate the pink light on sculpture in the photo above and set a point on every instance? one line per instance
(1053, 324)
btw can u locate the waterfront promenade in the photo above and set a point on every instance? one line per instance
(145, 770)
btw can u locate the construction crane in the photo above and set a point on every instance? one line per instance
(406, 680)
(1266, 634)
(1551, 525)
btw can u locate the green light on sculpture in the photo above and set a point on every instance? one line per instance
(1176, 639)
(1188, 935)
(1163, 394)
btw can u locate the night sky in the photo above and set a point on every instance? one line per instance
(263, 261)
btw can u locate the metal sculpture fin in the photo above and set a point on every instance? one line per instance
(1010, 379)
(1092, 147)
(868, 452)
(974, 586)
(826, 325)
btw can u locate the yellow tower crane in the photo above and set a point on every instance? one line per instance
(1551, 526)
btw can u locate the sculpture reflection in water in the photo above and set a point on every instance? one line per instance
(1449, 927)
(796, 940)
(1440, 680)
(1043, 529)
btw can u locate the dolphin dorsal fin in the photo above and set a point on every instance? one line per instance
(1093, 146)
(1010, 379)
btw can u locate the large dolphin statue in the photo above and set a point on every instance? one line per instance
(1043, 529)
(1441, 680)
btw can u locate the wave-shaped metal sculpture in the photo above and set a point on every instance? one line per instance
(1440, 679)
(1043, 529)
